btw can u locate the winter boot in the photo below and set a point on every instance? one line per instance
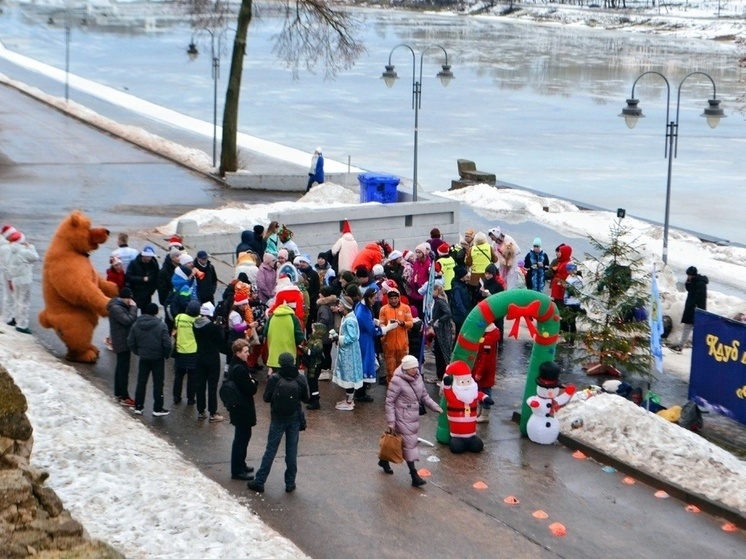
(417, 481)
(484, 417)
(386, 467)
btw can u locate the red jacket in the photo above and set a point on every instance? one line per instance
(485, 367)
(368, 257)
(558, 279)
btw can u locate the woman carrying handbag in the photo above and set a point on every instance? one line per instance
(405, 393)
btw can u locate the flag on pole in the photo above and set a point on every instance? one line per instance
(655, 318)
(427, 312)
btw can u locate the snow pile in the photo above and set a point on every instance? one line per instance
(237, 217)
(128, 487)
(624, 431)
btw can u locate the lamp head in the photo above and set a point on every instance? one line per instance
(713, 113)
(389, 76)
(445, 75)
(192, 51)
(632, 113)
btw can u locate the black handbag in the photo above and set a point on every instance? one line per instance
(423, 409)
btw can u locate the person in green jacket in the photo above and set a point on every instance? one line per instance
(284, 334)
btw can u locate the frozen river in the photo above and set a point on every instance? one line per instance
(535, 104)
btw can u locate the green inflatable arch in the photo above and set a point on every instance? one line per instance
(542, 319)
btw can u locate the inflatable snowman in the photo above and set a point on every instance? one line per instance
(542, 426)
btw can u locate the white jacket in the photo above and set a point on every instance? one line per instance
(21, 263)
(4, 255)
(346, 247)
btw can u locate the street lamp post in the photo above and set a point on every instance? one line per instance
(390, 76)
(192, 52)
(632, 112)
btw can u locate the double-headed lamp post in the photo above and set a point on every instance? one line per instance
(390, 76)
(193, 53)
(632, 112)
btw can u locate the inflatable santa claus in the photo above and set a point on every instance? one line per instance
(462, 397)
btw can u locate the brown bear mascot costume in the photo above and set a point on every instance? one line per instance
(75, 295)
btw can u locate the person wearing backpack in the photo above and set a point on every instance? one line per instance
(285, 391)
(243, 415)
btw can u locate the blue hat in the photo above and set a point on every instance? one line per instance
(148, 251)
(202, 254)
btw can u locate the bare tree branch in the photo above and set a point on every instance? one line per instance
(315, 33)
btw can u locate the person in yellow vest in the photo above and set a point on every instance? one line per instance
(479, 257)
(445, 265)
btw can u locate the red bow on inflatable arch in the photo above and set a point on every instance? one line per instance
(529, 312)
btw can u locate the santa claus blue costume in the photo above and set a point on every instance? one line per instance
(462, 398)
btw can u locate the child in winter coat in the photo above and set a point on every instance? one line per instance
(19, 273)
(313, 359)
(485, 367)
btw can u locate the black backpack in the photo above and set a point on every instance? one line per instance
(691, 417)
(231, 396)
(286, 397)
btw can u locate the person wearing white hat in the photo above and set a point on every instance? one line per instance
(405, 396)
(316, 171)
(210, 340)
(142, 276)
(8, 304)
(23, 255)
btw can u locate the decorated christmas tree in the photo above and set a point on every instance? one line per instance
(614, 295)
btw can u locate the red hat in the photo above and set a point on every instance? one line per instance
(406, 254)
(346, 227)
(174, 241)
(240, 299)
(8, 230)
(389, 286)
(458, 369)
(16, 237)
(443, 249)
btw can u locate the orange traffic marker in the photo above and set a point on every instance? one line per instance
(661, 494)
(628, 480)
(558, 529)
(480, 485)
(579, 455)
(424, 473)
(728, 527)
(540, 514)
(691, 508)
(511, 500)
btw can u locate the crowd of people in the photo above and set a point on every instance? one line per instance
(355, 315)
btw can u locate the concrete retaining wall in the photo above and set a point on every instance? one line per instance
(404, 225)
(283, 183)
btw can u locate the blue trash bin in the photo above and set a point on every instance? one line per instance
(376, 187)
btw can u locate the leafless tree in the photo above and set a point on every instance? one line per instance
(314, 33)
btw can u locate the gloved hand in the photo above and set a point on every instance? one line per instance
(489, 401)
(390, 326)
(447, 380)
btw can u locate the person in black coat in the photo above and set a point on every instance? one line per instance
(253, 241)
(150, 340)
(122, 315)
(491, 284)
(142, 277)
(210, 341)
(208, 283)
(696, 298)
(460, 297)
(243, 418)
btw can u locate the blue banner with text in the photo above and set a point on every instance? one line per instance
(718, 371)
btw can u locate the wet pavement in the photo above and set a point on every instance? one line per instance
(345, 506)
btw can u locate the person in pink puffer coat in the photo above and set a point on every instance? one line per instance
(405, 393)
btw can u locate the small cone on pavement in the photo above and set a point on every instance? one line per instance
(424, 473)
(480, 485)
(540, 514)
(558, 529)
(511, 500)
(628, 480)
(579, 455)
(728, 527)
(661, 494)
(692, 508)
